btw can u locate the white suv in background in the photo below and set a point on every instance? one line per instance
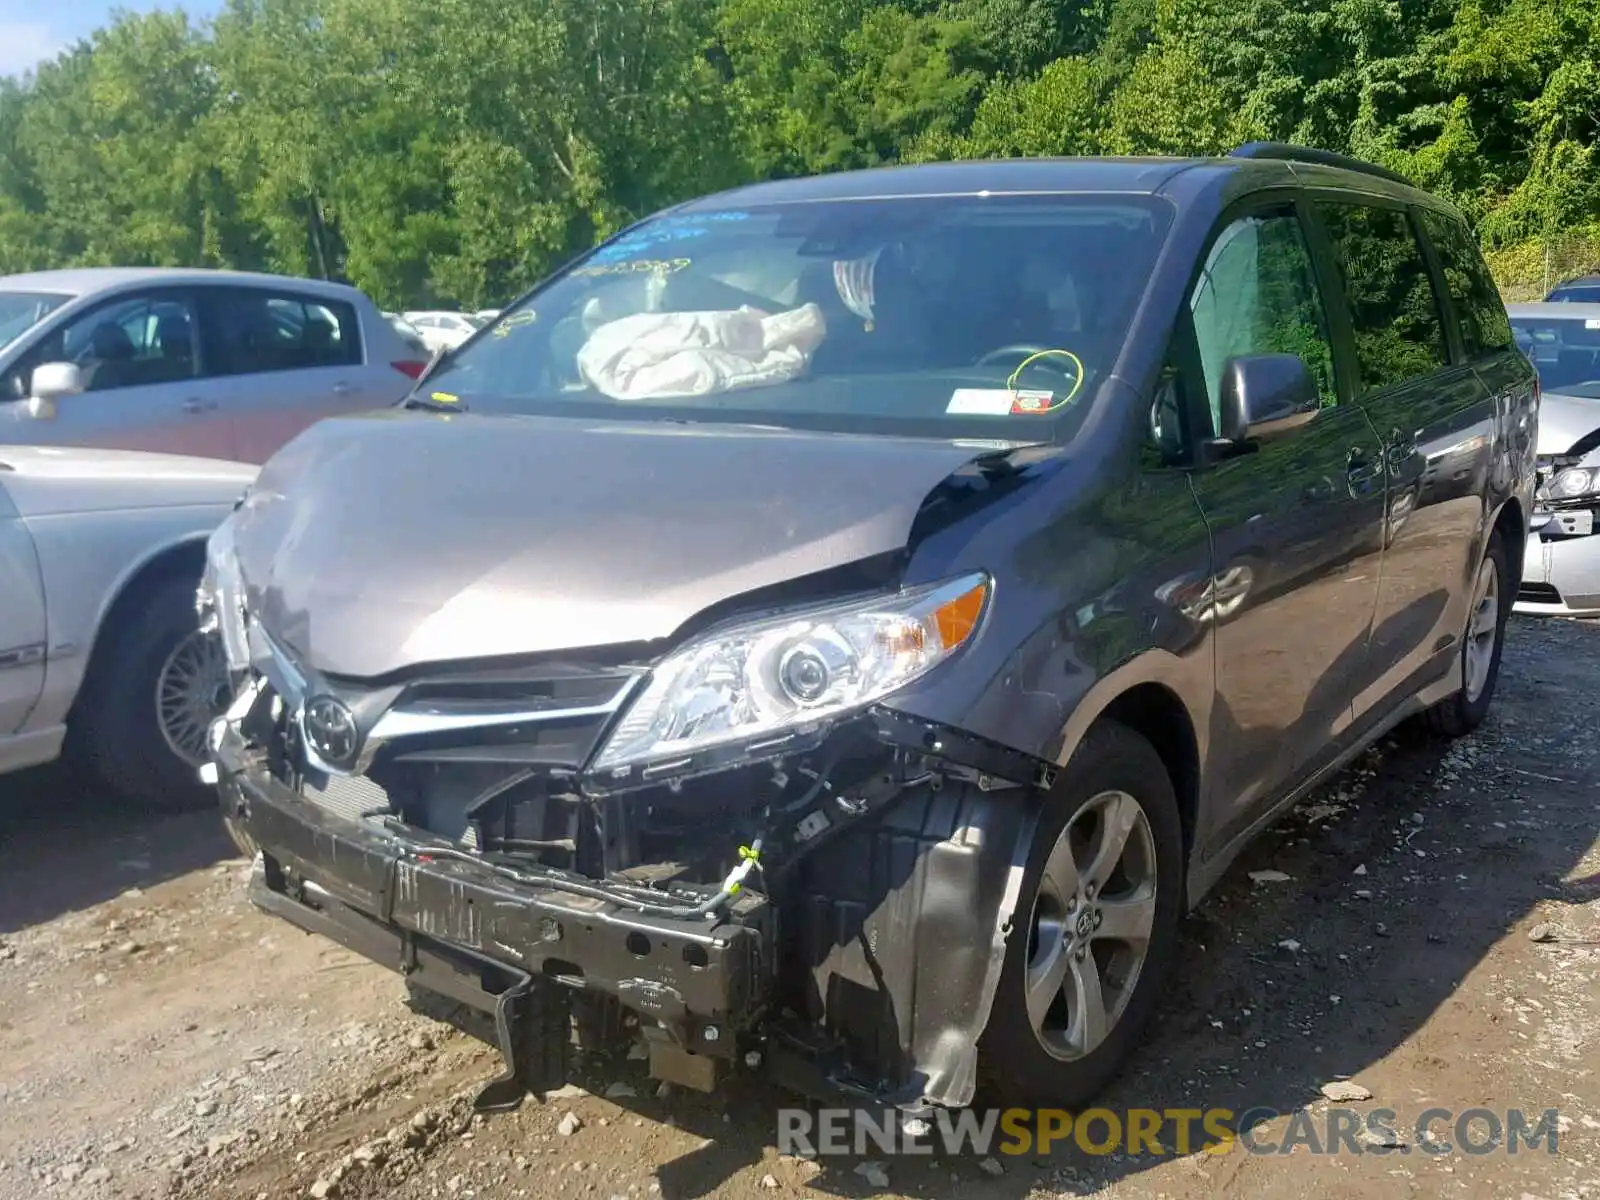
(218, 364)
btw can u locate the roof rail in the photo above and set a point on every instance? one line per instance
(1284, 152)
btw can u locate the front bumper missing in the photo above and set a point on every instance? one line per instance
(1560, 568)
(894, 922)
(505, 947)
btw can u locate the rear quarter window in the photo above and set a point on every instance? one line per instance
(1580, 294)
(1388, 292)
(257, 331)
(1485, 328)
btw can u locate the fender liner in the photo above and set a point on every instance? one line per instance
(900, 930)
(902, 925)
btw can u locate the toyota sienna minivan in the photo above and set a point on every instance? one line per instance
(837, 627)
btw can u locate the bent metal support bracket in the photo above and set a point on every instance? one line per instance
(531, 1024)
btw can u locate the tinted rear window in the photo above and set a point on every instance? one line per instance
(1389, 292)
(1484, 325)
(1578, 294)
(258, 331)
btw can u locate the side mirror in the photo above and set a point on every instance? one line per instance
(1264, 395)
(53, 380)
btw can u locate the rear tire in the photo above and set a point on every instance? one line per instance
(1482, 641)
(145, 654)
(1045, 1045)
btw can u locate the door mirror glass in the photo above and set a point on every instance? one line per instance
(1264, 395)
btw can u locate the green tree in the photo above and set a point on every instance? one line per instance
(456, 152)
(106, 159)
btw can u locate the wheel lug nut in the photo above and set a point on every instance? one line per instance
(1082, 953)
(1072, 904)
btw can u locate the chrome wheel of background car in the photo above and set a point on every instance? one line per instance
(1091, 925)
(1483, 628)
(191, 691)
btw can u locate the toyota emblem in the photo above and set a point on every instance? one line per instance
(330, 729)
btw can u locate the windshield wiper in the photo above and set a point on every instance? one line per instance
(429, 404)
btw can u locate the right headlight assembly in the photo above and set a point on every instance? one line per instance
(1572, 482)
(770, 677)
(220, 599)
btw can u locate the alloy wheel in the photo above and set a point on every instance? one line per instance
(1483, 628)
(1091, 924)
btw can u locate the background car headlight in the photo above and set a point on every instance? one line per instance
(771, 676)
(221, 596)
(1573, 482)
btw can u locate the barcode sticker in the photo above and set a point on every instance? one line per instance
(984, 402)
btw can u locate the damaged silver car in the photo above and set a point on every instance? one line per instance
(1561, 570)
(837, 627)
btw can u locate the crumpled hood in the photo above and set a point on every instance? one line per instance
(1564, 420)
(374, 543)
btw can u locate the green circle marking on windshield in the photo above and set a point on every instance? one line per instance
(1027, 403)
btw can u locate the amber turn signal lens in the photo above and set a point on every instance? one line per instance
(956, 619)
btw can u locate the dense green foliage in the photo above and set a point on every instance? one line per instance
(456, 151)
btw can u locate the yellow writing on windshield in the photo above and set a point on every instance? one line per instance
(516, 320)
(639, 266)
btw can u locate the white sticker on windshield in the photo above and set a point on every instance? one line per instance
(980, 402)
(1592, 323)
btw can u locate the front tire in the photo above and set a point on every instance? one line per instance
(1481, 644)
(140, 721)
(1095, 930)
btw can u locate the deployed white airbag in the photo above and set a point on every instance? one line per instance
(653, 355)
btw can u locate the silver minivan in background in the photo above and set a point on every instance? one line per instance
(217, 364)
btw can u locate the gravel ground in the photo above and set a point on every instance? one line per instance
(1428, 926)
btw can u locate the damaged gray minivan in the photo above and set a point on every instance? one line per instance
(836, 628)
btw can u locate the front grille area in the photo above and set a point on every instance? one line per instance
(486, 758)
(551, 716)
(1539, 593)
(556, 689)
(350, 796)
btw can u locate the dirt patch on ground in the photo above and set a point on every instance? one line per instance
(1428, 926)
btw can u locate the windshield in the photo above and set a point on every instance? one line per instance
(21, 311)
(926, 317)
(1564, 350)
(1578, 294)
